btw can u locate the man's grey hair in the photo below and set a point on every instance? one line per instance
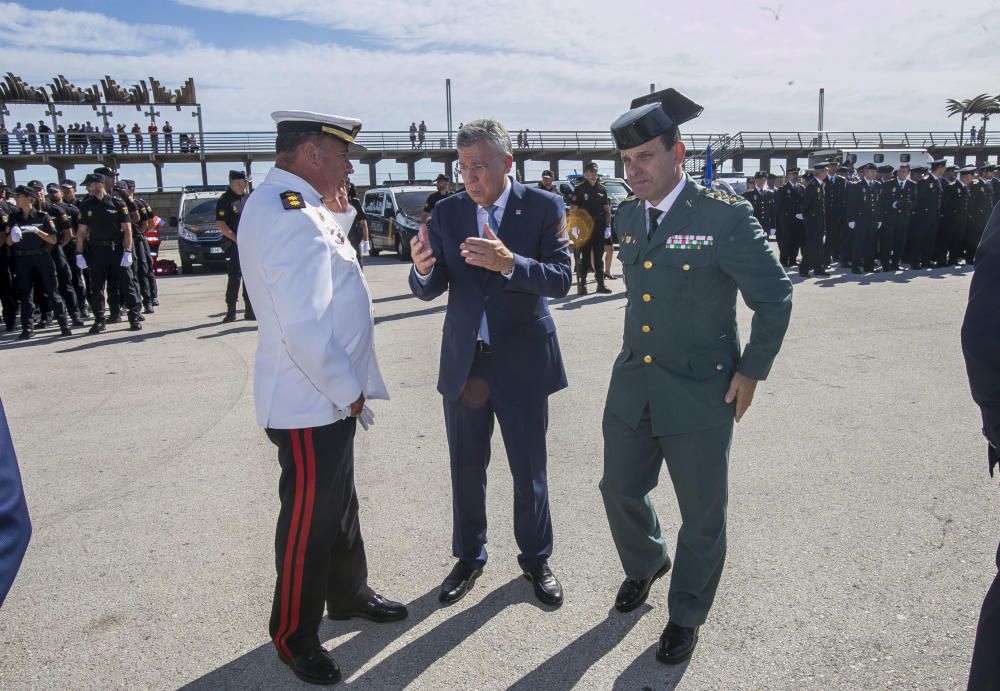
(484, 130)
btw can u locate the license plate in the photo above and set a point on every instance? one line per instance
(215, 250)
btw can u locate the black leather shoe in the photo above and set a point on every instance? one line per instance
(458, 583)
(249, 316)
(314, 667)
(154, 302)
(581, 289)
(230, 317)
(602, 289)
(376, 609)
(676, 643)
(633, 593)
(77, 322)
(64, 330)
(547, 587)
(148, 309)
(98, 327)
(42, 324)
(114, 318)
(25, 335)
(135, 326)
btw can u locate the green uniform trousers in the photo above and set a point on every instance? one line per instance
(698, 464)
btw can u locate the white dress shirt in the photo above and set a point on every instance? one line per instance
(315, 348)
(665, 203)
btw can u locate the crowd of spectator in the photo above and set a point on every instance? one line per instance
(80, 139)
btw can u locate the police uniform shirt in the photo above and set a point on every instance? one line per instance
(229, 208)
(592, 199)
(355, 234)
(34, 221)
(315, 350)
(432, 199)
(104, 217)
(58, 214)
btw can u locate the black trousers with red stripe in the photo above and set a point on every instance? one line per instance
(319, 552)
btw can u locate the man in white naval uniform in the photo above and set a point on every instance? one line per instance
(315, 368)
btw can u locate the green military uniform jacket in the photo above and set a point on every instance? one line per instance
(681, 345)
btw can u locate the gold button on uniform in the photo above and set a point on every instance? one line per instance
(686, 267)
(646, 297)
(646, 329)
(648, 359)
(647, 264)
(718, 367)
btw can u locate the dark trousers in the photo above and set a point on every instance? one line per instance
(319, 554)
(950, 235)
(356, 244)
(143, 268)
(833, 241)
(81, 279)
(984, 674)
(234, 276)
(523, 422)
(789, 237)
(105, 269)
(40, 267)
(592, 257)
(8, 301)
(863, 245)
(922, 233)
(812, 247)
(64, 276)
(897, 238)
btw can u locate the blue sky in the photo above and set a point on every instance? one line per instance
(564, 64)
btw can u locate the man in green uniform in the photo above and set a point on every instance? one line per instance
(680, 379)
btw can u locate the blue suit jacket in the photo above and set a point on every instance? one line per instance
(981, 333)
(15, 527)
(525, 350)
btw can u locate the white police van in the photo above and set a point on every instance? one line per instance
(880, 157)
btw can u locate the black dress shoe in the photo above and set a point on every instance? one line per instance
(314, 667)
(25, 335)
(820, 272)
(42, 324)
(458, 583)
(676, 643)
(154, 302)
(633, 593)
(376, 608)
(230, 317)
(148, 309)
(98, 327)
(64, 330)
(114, 318)
(602, 289)
(78, 322)
(547, 587)
(135, 326)
(249, 316)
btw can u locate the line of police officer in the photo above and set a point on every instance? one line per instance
(57, 252)
(924, 217)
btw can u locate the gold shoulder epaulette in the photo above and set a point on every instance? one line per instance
(292, 200)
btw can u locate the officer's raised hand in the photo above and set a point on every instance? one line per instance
(420, 252)
(741, 390)
(488, 252)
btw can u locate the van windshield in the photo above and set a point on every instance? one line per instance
(412, 203)
(199, 212)
(616, 190)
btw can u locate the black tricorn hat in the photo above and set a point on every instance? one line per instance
(651, 116)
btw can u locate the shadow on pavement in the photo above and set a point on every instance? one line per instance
(135, 337)
(647, 674)
(575, 302)
(407, 315)
(230, 331)
(566, 669)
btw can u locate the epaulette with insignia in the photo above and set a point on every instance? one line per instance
(292, 200)
(722, 196)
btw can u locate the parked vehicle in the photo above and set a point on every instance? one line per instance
(393, 214)
(198, 240)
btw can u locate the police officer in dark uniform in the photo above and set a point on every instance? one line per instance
(8, 300)
(836, 246)
(788, 209)
(762, 200)
(592, 196)
(228, 210)
(546, 183)
(989, 173)
(62, 216)
(104, 245)
(81, 279)
(443, 184)
(863, 218)
(117, 190)
(981, 203)
(898, 194)
(814, 220)
(927, 215)
(32, 234)
(143, 268)
(949, 246)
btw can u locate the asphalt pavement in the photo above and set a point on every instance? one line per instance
(862, 522)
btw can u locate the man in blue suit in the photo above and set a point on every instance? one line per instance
(981, 346)
(499, 249)
(15, 527)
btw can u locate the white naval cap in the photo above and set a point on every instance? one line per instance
(343, 128)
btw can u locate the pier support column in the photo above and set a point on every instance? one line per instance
(371, 173)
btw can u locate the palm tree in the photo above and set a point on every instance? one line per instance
(977, 105)
(955, 107)
(990, 107)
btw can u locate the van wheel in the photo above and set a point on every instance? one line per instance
(401, 248)
(406, 254)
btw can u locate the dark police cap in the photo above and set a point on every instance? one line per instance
(651, 116)
(129, 183)
(237, 175)
(442, 178)
(25, 190)
(937, 163)
(868, 166)
(820, 166)
(988, 168)
(591, 166)
(793, 169)
(953, 168)
(759, 175)
(36, 184)
(93, 177)
(547, 174)
(52, 187)
(885, 169)
(105, 171)
(968, 170)
(918, 169)
(68, 183)
(772, 176)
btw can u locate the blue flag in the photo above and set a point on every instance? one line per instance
(709, 167)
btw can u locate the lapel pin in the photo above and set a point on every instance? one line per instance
(688, 202)
(517, 212)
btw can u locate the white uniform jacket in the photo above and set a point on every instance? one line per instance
(315, 347)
